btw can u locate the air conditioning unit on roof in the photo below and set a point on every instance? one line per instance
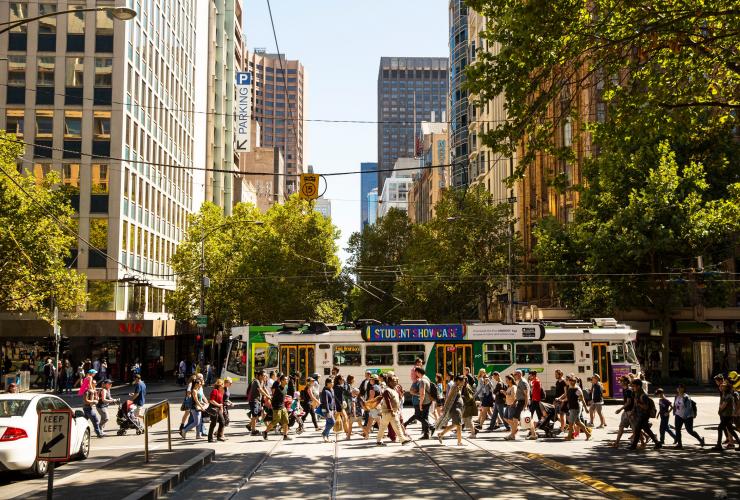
(604, 322)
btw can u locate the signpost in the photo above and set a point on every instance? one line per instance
(53, 441)
(152, 416)
(309, 186)
(243, 113)
(201, 320)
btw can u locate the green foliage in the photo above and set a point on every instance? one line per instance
(655, 57)
(449, 269)
(286, 268)
(33, 244)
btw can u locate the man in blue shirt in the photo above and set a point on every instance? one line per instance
(139, 394)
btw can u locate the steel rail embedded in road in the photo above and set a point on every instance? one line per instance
(335, 475)
(437, 464)
(254, 470)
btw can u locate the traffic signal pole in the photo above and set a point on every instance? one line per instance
(57, 338)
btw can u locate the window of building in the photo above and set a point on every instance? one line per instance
(103, 71)
(18, 12)
(101, 296)
(529, 353)
(45, 71)
(71, 175)
(44, 123)
(40, 171)
(99, 178)
(104, 23)
(377, 355)
(561, 353)
(496, 354)
(409, 353)
(73, 124)
(17, 70)
(75, 72)
(348, 355)
(101, 125)
(75, 20)
(47, 24)
(14, 120)
(99, 233)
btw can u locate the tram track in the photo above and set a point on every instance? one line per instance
(243, 483)
(431, 459)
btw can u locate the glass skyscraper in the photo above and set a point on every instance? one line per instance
(369, 181)
(409, 89)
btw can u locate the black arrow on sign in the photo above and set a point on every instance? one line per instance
(46, 448)
(242, 144)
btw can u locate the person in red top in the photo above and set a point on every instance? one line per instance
(216, 401)
(536, 392)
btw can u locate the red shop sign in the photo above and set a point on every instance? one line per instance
(130, 327)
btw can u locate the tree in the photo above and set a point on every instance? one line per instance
(36, 235)
(449, 269)
(647, 56)
(285, 268)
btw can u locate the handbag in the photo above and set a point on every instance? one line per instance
(337, 422)
(211, 411)
(187, 404)
(525, 418)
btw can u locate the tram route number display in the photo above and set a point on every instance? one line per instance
(414, 333)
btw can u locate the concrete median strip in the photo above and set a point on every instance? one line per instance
(606, 489)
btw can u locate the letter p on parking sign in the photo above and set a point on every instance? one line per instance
(244, 78)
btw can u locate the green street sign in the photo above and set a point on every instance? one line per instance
(201, 320)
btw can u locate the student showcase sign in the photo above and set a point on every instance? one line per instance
(414, 333)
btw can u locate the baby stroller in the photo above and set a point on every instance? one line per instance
(546, 423)
(127, 419)
(295, 412)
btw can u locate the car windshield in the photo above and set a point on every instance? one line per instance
(13, 407)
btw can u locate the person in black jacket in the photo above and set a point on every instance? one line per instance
(499, 403)
(328, 407)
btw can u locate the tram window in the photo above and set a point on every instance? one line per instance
(376, 355)
(528, 353)
(617, 353)
(265, 357)
(561, 353)
(497, 354)
(347, 355)
(409, 353)
(237, 358)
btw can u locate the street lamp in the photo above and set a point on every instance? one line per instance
(120, 13)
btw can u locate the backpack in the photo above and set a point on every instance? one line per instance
(433, 391)
(652, 410)
(693, 407)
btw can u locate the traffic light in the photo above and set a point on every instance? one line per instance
(198, 341)
(64, 344)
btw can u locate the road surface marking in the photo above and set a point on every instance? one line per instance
(603, 487)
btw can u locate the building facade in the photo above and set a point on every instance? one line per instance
(410, 89)
(431, 180)
(396, 187)
(323, 206)
(226, 56)
(279, 86)
(105, 104)
(368, 182)
(458, 96)
(372, 206)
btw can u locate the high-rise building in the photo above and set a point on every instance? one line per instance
(458, 98)
(410, 89)
(368, 182)
(279, 107)
(226, 57)
(109, 106)
(372, 207)
(430, 181)
(396, 187)
(323, 206)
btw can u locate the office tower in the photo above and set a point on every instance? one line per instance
(226, 57)
(430, 182)
(108, 105)
(323, 206)
(372, 206)
(396, 187)
(279, 107)
(410, 89)
(458, 98)
(368, 182)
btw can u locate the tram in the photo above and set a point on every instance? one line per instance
(600, 346)
(248, 352)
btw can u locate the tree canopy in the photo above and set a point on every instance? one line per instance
(285, 268)
(37, 231)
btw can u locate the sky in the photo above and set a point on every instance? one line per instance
(340, 43)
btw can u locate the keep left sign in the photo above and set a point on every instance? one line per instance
(53, 441)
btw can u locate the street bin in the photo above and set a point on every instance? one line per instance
(25, 381)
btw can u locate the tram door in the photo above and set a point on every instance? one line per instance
(600, 353)
(452, 358)
(298, 358)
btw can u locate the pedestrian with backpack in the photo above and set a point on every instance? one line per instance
(726, 412)
(597, 401)
(664, 412)
(644, 410)
(684, 412)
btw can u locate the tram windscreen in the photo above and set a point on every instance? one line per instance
(237, 360)
(631, 354)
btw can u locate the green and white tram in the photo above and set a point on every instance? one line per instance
(600, 347)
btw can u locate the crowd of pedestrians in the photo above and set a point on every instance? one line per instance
(466, 405)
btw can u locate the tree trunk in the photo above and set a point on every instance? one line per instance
(665, 349)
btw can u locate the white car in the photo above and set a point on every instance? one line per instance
(19, 423)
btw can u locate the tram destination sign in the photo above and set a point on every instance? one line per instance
(499, 331)
(414, 333)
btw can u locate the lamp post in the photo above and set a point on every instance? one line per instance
(205, 282)
(120, 13)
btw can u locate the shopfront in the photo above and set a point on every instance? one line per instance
(121, 343)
